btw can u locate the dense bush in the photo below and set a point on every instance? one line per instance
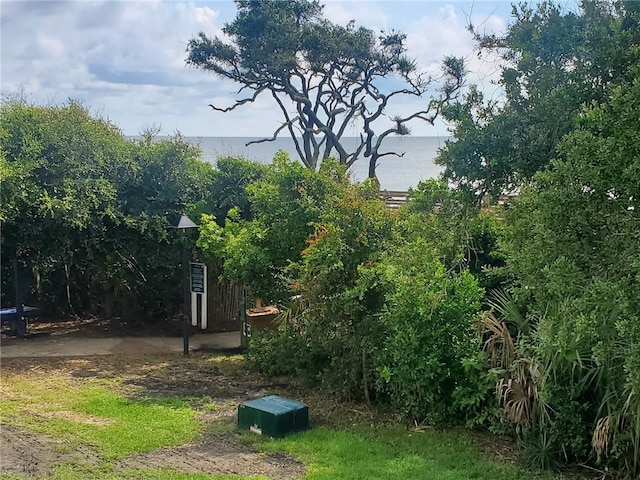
(429, 316)
(564, 333)
(230, 179)
(289, 350)
(284, 202)
(342, 302)
(466, 236)
(384, 318)
(86, 211)
(574, 251)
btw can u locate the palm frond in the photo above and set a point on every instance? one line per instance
(504, 304)
(499, 345)
(519, 394)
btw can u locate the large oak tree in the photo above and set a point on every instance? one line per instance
(327, 80)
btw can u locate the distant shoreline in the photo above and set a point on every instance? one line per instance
(394, 173)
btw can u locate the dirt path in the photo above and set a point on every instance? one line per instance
(85, 338)
(218, 455)
(25, 453)
(32, 455)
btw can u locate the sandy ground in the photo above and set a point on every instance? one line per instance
(148, 366)
(92, 337)
(67, 346)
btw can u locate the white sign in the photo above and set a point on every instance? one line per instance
(199, 294)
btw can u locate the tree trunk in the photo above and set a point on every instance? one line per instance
(372, 166)
(67, 277)
(365, 382)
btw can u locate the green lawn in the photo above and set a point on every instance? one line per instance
(393, 452)
(93, 413)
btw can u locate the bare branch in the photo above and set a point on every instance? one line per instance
(240, 102)
(292, 133)
(422, 115)
(395, 154)
(275, 134)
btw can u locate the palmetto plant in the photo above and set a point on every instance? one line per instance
(502, 303)
(519, 392)
(601, 438)
(535, 366)
(290, 313)
(498, 343)
(617, 434)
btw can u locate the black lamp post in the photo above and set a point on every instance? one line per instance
(184, 223)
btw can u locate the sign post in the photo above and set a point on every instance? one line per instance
(183, 224)
(198, 294)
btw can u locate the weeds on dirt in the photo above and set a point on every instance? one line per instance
(97, 416)
(74, 472)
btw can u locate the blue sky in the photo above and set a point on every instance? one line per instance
(125, 60)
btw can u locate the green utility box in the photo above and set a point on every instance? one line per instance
(273, 416)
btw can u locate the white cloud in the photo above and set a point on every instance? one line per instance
(127, 59)
(119, 57)
(206, 17)
(369, 14)
(430, 37)
(50, 47)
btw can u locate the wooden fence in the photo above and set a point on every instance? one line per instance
(394, 198)
(224, 301)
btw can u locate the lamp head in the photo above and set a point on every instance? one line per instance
(185, 222)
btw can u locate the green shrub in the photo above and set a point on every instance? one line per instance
(86, 210)
(287, 351)
(430, 316)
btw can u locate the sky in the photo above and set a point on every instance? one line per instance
(125, 60)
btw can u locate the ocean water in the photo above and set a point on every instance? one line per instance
(394, 173)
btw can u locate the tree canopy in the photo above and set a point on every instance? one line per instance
(573, 252)
(565, 138)
(327, 80)
(553, 62)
